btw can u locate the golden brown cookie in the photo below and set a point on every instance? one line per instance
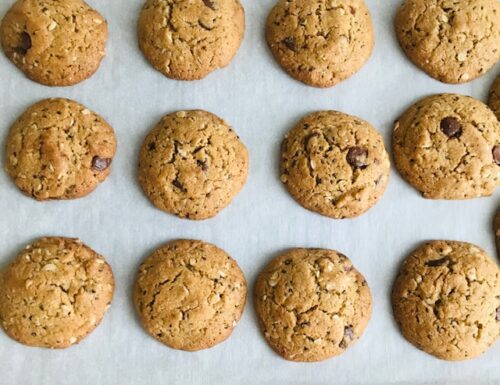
(56, 43)
(448, 147)
(58, 149)
(320, 42)
(334, 164)
(446, 300)
(192, 164)
(54, 293)
(452, 41)
(494, 98)
(188, 39)
(190, 295)
(312, 304)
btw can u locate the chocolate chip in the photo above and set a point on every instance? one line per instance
(438, 262)
(152, 146)
(496, 154)
(24, 43)
(100, 164)
(356, 157)
(451, 127)
(179, 185)
(290, 43)
(498, 314)
(348, 336)
(202, 164)
(209, 3)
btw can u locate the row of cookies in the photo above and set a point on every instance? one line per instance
(319, 42)
(312, 304)
(192, 163)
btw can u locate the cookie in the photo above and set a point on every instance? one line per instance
(312, 304)
(188, 39)
(54, 293)
(494, 98)
(58, 149)
(320, 42)
(448, 147)
(190, 295)
(56, 43)
(452, 41)
(446, 300)
(334, 164)
(192, 164)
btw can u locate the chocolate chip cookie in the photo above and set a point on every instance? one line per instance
(312, 304)
(192, 164)
(320, 42)
(334, 164)
(188, 39)
(190, 295)
(59, 149)
(56, 43)
(494, 98)
(54, 293)
(452, 41)
(446, 300)
(448, 147)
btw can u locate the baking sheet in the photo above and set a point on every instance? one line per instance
(262, 103)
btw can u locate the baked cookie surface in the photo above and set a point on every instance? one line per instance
(448, 147)
(452, 41)
(54, 42)
(320, 42)
(54, 293)
(188, 39)
(334, 164)
(494, 97)
(446, 300)
(190, 295)
(192, 164)
(312, 304)
(59, 149)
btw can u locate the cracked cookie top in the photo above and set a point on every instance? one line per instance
(54, 293)
(188, 39)
(58, 149)
(446, 300)
(190, 295)
(192, 164)
(312, 304)
(448, 147)
(454, 41)
(54, 42)
(320, 42)
(334, 164)
(494, 97)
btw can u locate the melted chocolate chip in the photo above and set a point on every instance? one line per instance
(356, 157)
(100, 164)
(438, 262)
(451, 127)
(202, 164)
(348, 336)
(179, 185)
(496, 154)
(24, 43)
(290, 43)
(152, 146)
(209, 3)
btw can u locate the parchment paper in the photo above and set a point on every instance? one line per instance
(262, 103)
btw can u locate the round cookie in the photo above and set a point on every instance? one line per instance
(320, 42)
(190, 295)
(188, 39)
(54, 293)
(192, 164)
(448, 147)
(56, 43)
(494, 98)
(312, 304)
(452, 41)
(334, 164)
(446, 300)
(58, 149)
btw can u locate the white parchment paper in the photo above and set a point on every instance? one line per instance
(262, 103)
